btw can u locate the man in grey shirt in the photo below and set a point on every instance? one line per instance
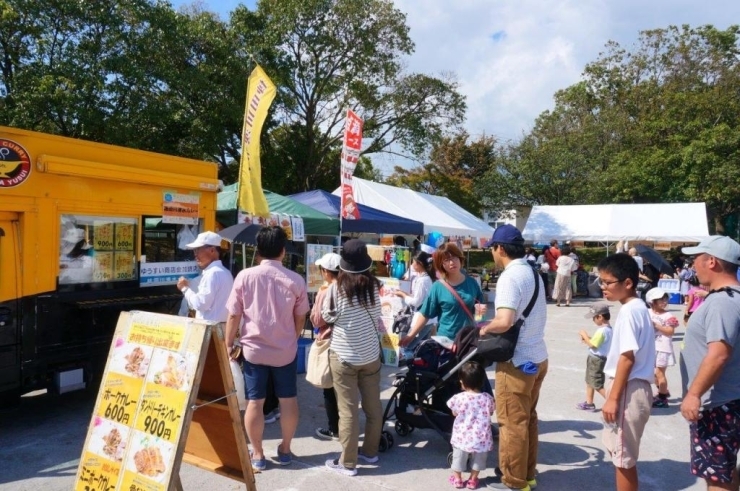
(710, 365)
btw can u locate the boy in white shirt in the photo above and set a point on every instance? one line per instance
(629, 368)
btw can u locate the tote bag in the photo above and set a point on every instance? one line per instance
(318, 373)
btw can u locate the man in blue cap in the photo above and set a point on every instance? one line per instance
(518, 381)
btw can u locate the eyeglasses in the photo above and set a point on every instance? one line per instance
(605, 284)
(450, 259)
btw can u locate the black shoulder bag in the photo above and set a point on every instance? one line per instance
(497, 347)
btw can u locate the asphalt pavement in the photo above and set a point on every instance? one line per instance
(41, 440)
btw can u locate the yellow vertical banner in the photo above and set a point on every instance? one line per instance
(260, 94)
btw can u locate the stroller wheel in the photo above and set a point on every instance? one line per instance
(386, 441)
(449, 459)
(403, 429)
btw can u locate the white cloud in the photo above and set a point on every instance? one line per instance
(511, 56)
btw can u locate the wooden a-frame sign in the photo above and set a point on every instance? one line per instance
(217, 440)
(167, 396)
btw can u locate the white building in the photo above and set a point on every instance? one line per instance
(515, 216)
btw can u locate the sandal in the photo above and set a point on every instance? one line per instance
(456, 482)
(473, 483)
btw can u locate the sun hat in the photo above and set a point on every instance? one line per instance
(205, 239)
(655, 294)
(355, 258)
(329, 261)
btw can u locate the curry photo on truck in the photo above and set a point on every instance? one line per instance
(88, 230)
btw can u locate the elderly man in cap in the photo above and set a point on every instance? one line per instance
(209, 299)
(710, 365)
(518, 381)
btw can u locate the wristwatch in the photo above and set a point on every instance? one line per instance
(184, 288)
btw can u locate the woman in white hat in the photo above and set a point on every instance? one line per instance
(329, 267)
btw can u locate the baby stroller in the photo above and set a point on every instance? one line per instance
(420, 398)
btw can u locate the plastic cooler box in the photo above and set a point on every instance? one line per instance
(304, 344)
(673, 288)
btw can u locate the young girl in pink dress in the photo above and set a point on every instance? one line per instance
(471, 433)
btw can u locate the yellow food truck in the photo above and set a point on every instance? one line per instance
(86, 231)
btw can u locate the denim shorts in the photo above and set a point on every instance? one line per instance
(284, 380)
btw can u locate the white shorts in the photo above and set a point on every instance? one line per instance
(663, 359)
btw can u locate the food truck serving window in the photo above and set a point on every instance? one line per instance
(97, 249)
(165, 257)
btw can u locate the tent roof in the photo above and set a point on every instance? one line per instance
(438, 214)
(371, 220)
(314, 222)
(668, 222)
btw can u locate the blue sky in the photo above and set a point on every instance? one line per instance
(511, 56)
(221, 7)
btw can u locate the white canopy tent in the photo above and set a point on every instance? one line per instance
(438, 214)
(660, 222)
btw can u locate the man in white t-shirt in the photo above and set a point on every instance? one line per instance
(518, 381)
(629, 368)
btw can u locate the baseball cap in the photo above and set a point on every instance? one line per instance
(205, 239)
(599, 308)
(505, 234)
(718, 246)
(655, 294)
(329, 261)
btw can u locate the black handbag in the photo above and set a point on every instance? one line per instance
(499, 347)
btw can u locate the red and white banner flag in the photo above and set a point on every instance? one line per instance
(350, 156)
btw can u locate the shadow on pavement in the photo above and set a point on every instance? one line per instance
(43, 435)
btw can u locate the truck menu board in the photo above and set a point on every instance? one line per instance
(138, 419)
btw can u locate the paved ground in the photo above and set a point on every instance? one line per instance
(40, 442)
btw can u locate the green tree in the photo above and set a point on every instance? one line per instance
(334, 55)
(655, 124)
(454, 165)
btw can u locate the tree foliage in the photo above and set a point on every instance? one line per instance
(658, 123)
(334, 55)
(454, 165)
(138, 73)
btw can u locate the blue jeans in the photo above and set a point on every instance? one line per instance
(407, 353)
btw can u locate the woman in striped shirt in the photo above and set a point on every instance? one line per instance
(354, 356)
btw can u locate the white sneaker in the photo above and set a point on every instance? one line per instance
(334, 465)
(369, 460)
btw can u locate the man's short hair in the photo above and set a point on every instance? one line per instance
(728, 267)
(513, 251)
(271, 242)
(622, 266)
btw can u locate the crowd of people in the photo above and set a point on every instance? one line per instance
(265, 308)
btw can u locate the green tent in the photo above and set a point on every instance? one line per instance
(314, 222)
